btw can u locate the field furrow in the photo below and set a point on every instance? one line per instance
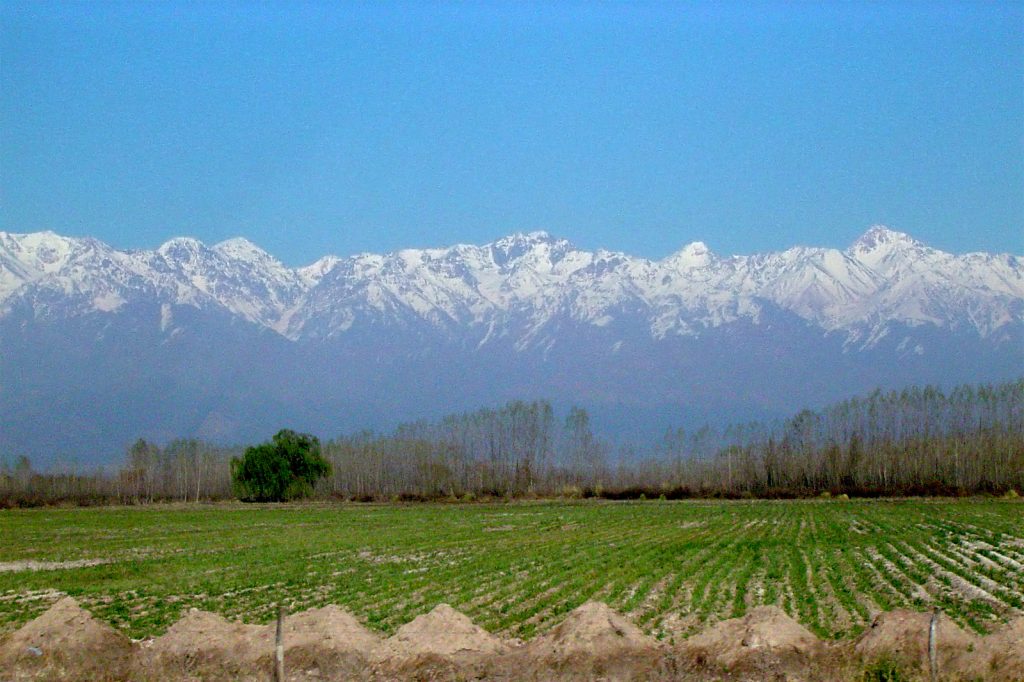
(519, 569)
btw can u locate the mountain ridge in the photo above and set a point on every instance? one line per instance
(883, 277)
(100, 346)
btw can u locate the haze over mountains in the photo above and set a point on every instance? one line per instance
(100, 346)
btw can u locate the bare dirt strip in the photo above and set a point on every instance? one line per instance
(28, 565)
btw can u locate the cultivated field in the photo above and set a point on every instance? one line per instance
(518, 569)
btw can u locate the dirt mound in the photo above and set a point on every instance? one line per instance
(591, 629)
(443, 633)
(327, 643)
(765, 638)
(593, 642)
(332, 627)
(209, 646)
(902, 636)
(998, 656)
(65, 642)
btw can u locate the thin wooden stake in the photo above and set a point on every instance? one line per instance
(279, 647)
(933, 644)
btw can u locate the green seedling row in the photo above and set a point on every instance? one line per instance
(518, 569)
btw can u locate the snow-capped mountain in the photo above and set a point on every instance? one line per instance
(55, 276)
(530, 305)
(521, 282)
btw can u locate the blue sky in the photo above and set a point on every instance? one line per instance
(316, 128)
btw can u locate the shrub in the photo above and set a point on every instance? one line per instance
(883, 671)
(572, 492)
(286, 468)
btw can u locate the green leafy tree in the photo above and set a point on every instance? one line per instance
(286, 468)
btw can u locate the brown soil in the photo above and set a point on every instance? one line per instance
(902, 636)
(204, 645)
(444, 633)
(593, 642)
(320, 643)
(1000, 655)
(330, 627)
(591, 629)
(29, 565)
(326, 643)
(441, 645)
(764, 640)
(65, 642)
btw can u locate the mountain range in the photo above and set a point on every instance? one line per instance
(99, 346)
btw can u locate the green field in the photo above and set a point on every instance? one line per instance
(518, 568)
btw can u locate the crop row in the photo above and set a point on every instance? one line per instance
(517, 569)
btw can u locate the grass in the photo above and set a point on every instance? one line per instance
(519, 568)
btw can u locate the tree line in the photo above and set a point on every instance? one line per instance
(185, 470)
(918, 441)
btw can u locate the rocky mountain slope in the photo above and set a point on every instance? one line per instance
(101, 345)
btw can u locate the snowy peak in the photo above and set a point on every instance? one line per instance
(237, 274)
(182, 249)
(881, 237)
(693, 255)
(696, 249)
(35, 254)
(54, 276)
(241, 249)
(536, 247)
(881, 243)
(314, 272)
(526, 239)
(525, 284)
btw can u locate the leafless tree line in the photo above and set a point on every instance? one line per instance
(185, 470)
(915, 441)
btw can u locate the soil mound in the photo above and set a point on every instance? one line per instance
(902, 636)
(208, 646)
(593, 642)
(331, 626)
(65, 642)
(765, 638)
(443, 633)
(999, 656)
(327, 643)
(592, 629)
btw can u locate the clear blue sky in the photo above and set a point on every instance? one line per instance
(316, 128)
